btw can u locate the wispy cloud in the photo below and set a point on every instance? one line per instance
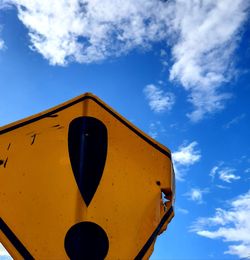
(222, 187)
(247, 170)
(182, 210)
(159, 100)
(207, 34)
(226, 174)
(187, 154)
(196, 195)
(155, 129)
(164, 58)
(202, 36)
(184, 157)
(2, 45)
(231, 225)
(90, 31)
(214, 171)
(235, 121)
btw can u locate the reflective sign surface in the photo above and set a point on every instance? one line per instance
(80, 181)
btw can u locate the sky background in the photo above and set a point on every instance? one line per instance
(178, 70)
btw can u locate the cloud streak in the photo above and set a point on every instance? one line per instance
(155, 129)
(196, 195)
(182, 210)
(207, 33)
(1, 44)
(159, 101)
(231, 225)
(184, 157)
(225, 174)
(235, 121)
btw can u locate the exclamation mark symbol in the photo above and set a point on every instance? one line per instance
(87, 141)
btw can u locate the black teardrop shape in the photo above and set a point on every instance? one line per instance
(87, 142)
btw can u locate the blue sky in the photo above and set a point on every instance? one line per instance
(179, 70)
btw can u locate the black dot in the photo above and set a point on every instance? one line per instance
(86, 240)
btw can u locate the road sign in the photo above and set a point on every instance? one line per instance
(80, 181)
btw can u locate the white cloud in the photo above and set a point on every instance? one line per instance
(214, 171)
(231, 225)
(247, 170)
(225, 174)
(155, 129)
(207, 34)
(235, 121)
(222, 187)
(185, 156)
(164, 58)
(1, 44)
(182, 210)
(202, 36)
(159, 100)
(90, 31)
(196, 194)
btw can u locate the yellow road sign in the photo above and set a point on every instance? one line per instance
(80, 181)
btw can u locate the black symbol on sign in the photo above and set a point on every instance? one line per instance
(86, 240)
(87, 141)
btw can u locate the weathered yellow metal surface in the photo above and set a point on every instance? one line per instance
(39, 197)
